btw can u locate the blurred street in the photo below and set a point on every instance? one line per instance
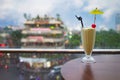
(13, 73)
(12, 69)
(9, 74)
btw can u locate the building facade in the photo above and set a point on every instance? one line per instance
(43, 32)
(117, 22)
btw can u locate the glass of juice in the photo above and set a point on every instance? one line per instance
(88, 40)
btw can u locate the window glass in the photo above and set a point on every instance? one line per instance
(36, 24)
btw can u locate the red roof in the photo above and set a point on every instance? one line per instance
(40, 38)
(3, 45)
(40, 29)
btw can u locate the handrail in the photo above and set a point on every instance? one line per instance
(52, 51)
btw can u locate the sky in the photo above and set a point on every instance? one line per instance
(11, 11)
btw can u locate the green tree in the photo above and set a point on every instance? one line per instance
(16, 38)
(58, 17)
(107, 39)
(38, 17)
(74, 41)
(1, 39)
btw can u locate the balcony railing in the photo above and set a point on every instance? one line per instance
(63, 51)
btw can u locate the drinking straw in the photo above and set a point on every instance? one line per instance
(80, 19)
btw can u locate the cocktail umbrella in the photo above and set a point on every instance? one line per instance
(96, 12)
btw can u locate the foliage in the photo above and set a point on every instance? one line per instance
(104, 39)
(16, 38)
(107, 39)
(38, 17)
(58, 17)
(1, 39)
(74, 41)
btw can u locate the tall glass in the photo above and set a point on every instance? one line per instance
(88, 40)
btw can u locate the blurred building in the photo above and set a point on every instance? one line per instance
(117, 22)
(43, 32)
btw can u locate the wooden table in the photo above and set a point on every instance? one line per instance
(107, 67)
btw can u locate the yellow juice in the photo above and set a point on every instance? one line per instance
(88, 39)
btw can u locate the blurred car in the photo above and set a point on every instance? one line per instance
(55, 73)
(32, 77)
